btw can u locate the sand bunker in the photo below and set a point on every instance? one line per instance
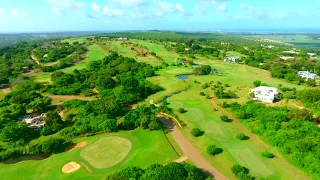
(70, 167)
(81, 144)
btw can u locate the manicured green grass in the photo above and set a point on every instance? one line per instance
(106, 152)
(201, 114)
(2, 94)
(72, 40)
(148, 147)
(118, 47)
(166, 78)
(160, 50)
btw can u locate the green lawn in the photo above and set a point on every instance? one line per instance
(201, 114)
(72, 40)
(160, 50)
(148, 147)
(234, 53)
(2, 94)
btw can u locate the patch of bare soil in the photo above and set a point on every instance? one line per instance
(70, 167)
(35, 59)
(81, 144)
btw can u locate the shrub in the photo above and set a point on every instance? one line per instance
(242, 136)
(214, 150)
(196, 132)
(225, 105)
(165, 103)
(181, 110)
(202, 94)
(208, 97)
(257, 83)
(267, 154)
(237, 169)
(205, 86)
(225, 118)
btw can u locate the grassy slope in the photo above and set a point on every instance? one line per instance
(169, 57)
(147, 148)
(201, 114)
(95, 53)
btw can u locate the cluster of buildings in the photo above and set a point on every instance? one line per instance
(264, 94)
(34, 122)
(290, 52)
(122, 39)
(232, 59)
(307, 75)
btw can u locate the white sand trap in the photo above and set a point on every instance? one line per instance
(70, 167)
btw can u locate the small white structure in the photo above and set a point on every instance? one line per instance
(311, 54)
(307, 75)
(122, 39)
(264, 94)
(290, 52)
(34, 122)
(232, 59)
(270, 47)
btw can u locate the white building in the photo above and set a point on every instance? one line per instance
(270, 47)
(264, 94)
(34, 122)
(290, 52)
(232, 59)
(307, 75)
(311, 54)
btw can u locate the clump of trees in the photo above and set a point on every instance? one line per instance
(143, 117)
(241, 172)
(203, 70)
(214, 150)
(196, 132)
(220, 93)
(182, 110)
(267, 154)
(290, 130)
(242, 137)
(158, 171)
(225, 118)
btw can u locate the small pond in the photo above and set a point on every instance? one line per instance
(184, 77)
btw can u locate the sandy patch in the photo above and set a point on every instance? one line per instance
(62, 113)
(7, 90)
(70, 167)
(81, 144)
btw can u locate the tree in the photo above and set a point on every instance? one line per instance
(52, 146)
(153, 125)
(206, 69)
(182, 110)
(17, 131)
(40, 104)
(196, 132)
(214, 150)
(267, 154)
(242, 136)
(224, 118)
(257, 83)
(53, 122)
(237, 169)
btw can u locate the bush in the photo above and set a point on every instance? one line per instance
(181, 110)
(214, 150)
(196, 132)
(205, 86)
(257, 83)
(267, 154)
(165, 103)
(202, 94)
(225, 118)
(242, 136)
(237, 169)
(225, 105)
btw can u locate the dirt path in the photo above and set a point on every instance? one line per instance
(223, 111)
(190, 151)
(182, 159)
(35, 59)
(70, 97)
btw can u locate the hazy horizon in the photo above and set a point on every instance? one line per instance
(17, 16)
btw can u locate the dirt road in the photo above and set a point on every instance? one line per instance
(35, 59)
(70, 97)
(190, 151)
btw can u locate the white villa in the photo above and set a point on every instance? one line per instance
(264, 94)
(307, 75)
(290, 52)
(311, 54)
(232, 59)
(34, 122)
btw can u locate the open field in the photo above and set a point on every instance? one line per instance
(201, 114)
(148, 147)
(295, 40)
(78, 39)
(106, 152)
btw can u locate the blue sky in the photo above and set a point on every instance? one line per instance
(104, 15)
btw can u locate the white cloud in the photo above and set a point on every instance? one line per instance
(1, 11)
(111, 12)
(222, 7)
(163, 7)
(95, 7)
(14, 12)
(129, 3)
(56, 11)
(65, 3)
